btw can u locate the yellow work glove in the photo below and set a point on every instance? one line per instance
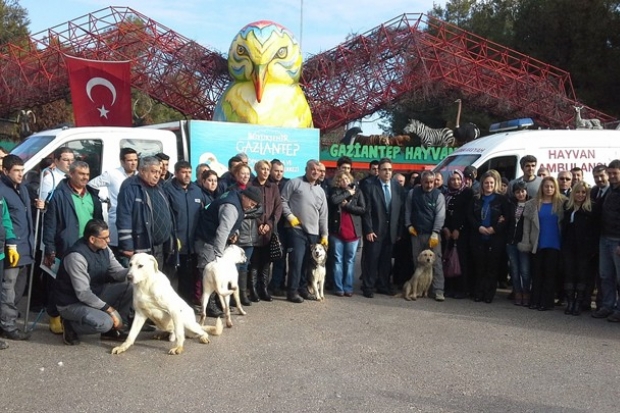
(324, 241)
(12, 255)
(434, 240)
(412, 231)
(293, 220)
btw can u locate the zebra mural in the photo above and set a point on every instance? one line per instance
(443, 137)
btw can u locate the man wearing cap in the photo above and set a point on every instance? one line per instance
(219, 222)
(532, 181)
(304, 206)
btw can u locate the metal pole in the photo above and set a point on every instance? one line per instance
(31, 275)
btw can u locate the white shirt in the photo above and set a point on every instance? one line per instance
(111, 180)
(50, 178)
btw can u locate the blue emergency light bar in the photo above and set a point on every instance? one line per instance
(510, 125)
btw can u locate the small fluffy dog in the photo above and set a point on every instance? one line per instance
(317, 271)
(422, 278)
(154, 298)
(218, 276)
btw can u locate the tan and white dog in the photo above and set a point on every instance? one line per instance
(422, 278)
(154, 298)
(316, 273)
(218, 276)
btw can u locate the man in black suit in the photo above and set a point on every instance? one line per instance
(382, 226)
(598, 192)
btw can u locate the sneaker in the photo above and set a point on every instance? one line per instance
(114, 335)
(602, 313)
(3, 345)
(69, 336)
(16, 335)
(614, 318)
(56, 325)
(439, 296)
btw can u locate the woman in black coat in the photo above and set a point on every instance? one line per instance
(519, 260)
(487, 217)
(579, 239)
(346, 207)
(455, 230)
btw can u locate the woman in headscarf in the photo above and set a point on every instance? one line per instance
(458, 197)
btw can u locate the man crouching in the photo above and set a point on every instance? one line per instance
(86, 299)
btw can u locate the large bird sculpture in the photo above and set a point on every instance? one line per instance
(264, 61)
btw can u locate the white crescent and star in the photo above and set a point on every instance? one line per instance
(100, 81)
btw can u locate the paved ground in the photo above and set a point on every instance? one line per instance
(346, 354)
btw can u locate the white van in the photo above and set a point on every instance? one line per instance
(98, 146)
(557, 150)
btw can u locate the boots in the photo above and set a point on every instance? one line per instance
(252, 281)
(518, 299)
(243, 288)
(263, 282)
(578, 303)
(213, 307)
(526, 300)
(570, 301)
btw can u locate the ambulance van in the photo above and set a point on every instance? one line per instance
(557, 150)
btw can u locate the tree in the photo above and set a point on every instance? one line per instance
(13, 21)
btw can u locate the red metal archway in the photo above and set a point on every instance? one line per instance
(413, 56)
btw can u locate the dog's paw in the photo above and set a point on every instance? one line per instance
(175, 350)
(414, 298)
(119, 350)
(242, 311)
(205, 339)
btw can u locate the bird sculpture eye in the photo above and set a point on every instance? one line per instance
(241, 51)
(282, 52)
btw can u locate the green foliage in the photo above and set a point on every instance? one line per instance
(13, 21)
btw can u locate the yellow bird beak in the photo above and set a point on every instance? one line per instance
(258, 78)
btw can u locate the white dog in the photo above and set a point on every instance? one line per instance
(218, 276)
(422, 278)
(317, 271)
(154, 298)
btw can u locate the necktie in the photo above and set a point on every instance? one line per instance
(387, 195)
(599, 194)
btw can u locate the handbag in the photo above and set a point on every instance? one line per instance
(275, 247)
(451, 263)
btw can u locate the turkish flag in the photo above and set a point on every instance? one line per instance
(101, 92)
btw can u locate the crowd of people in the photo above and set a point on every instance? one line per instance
(557, 239)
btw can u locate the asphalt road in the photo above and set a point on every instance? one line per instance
(342, 355)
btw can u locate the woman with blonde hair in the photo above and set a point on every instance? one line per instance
(579, 242)
(542, 237)
(346, 207)
(488, 215)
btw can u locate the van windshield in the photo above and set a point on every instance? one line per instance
(31, 146)
(454, 162)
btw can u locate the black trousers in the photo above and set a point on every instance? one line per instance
(545, 270)
(187, 274)
(377, 264)
(487, 262)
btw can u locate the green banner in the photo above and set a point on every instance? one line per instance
(398, 154)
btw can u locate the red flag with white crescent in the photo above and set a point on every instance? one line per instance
(101, 92)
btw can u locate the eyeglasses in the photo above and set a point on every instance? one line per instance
(104, 238)
(564, 179)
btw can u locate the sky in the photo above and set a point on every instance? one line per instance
(319, 24)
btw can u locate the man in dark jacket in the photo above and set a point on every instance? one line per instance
(144, 220)
(88, 302)
(382, 225)
(21, 250)
(74, 203)
(186, 200)
(425, 213)
(277, 286)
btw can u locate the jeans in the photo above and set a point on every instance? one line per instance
(299, 242)
(248, 249)
(519, 269)
(344, 263)
(89, 320)
(609, 263)
(13, 286)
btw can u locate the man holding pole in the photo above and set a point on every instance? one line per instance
(20, 248)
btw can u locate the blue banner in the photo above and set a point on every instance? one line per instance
(214, 143)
